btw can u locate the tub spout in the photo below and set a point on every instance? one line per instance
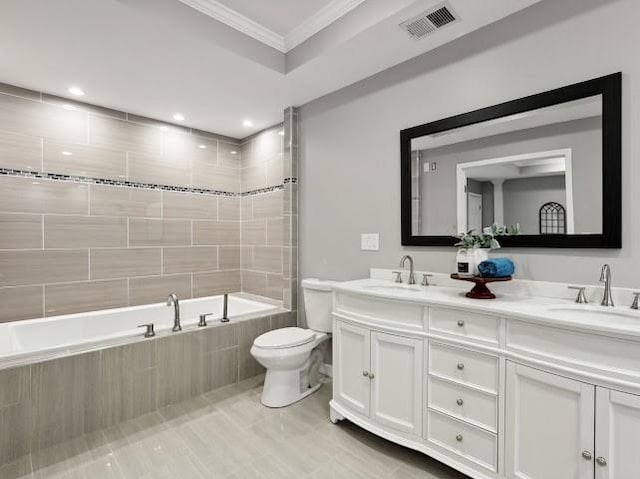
(172, 299)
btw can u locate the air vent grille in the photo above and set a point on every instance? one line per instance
(429, 21)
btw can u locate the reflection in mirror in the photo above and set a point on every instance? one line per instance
(541, 170)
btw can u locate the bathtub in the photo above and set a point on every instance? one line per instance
(54, 336)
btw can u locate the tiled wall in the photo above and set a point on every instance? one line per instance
(113, 232)
(46, 403)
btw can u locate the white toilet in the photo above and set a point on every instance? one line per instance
(293, 356)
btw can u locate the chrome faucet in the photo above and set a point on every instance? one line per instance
(605, 277)
(172, 299)
(412, 277)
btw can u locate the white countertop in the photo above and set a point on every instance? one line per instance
(620, 321)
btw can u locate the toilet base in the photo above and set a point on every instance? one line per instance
(282, 388)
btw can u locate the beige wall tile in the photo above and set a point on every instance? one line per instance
(84, 231)
(20, 303)
(124, 136)
(229, 257)
(159, 170)
(20, 152)
(290, 231)
(290, 199)
(254, 282)
(216, 232)
(181, 147)
(275, 172)
(246, 257)
(248, 331)
(275, 286)
(120, 263)
(275, 232)
(121, 201)
(284, 320)
(190, 259)
(86, 296)
(246, 208)
(228, 208)
(153, 232)
(220, 282)
(219, 336)
(35, 195)
(37, 267)
(210, 176)
(246, 154)
(81, 160)
(268, 145)
(227, 157)
(20, 231)
(267, 259)
(253, 177)
(254, 232)
(155, 289)
(17, 91)
(221, 368)
(165, 128)
(189, 205)
(180, 367)
(268, 205)
(27, 117)
(16, 418)
(80, 106)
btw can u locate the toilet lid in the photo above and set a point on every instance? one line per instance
(284, 338)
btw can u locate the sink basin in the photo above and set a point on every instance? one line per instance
(598, 314)
(393, 288)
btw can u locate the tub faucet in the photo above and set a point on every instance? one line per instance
(412, 276)
(225, 309)
(605, 277)
(172, 299)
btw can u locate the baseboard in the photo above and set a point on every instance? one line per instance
(327, 370)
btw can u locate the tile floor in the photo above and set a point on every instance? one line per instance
(228, 434)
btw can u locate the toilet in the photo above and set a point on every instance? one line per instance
(293, 356)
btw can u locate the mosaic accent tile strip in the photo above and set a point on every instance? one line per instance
(134, 184)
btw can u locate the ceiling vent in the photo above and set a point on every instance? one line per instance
(429, 21)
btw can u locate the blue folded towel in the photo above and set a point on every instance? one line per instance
(496, 268)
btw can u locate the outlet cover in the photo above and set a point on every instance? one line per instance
(369, 241)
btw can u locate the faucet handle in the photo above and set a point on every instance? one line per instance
(203, 319)
(636, 295)
(425, 279)
(398, 276)
(581, 298)
(150, 332)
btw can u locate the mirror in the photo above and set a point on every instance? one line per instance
(548, 165)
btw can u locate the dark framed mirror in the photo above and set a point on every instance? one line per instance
(549, 163)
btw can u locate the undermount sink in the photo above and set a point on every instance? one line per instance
(593, 313)
(394, 288)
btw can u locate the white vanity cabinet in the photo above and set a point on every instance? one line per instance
(490, 394)
(379, 376)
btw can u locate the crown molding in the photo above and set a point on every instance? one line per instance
(237, 21)
(317, 22)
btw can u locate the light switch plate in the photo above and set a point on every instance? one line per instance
(369, 241)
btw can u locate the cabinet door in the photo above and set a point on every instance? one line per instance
(617, 435)
(351, 369)
(549, 425)
(396, 382)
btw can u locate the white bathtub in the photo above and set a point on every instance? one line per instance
(83, 331)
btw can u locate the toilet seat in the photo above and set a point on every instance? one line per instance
(284, 338)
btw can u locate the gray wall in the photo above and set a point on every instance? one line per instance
(523, 198)
(584, 137)
(350, 164)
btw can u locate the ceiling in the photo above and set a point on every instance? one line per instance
(159, 57)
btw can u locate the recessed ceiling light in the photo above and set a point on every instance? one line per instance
(281, 133)
(178, 117)
(234, 152)
(202, 147)
(74, 90)
(66, 153)
(247, 123)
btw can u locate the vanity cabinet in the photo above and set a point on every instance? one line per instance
(379, 376)
(493, 395)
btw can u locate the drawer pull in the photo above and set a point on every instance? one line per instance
(365, 373)
(459, 438)
(459, 402)
(460, 322)
(587, 455)
(460, 366)
(601, 461)
(371, 376)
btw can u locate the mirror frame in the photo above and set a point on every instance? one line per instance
(610, 87)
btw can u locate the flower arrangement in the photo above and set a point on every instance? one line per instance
(486, 239)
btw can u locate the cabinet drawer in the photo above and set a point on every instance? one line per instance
(464, 324)
(464, 403)
(470, 442)
(469, 367)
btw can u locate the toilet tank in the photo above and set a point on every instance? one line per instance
(317, 304)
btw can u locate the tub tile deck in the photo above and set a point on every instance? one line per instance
(228, 434)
